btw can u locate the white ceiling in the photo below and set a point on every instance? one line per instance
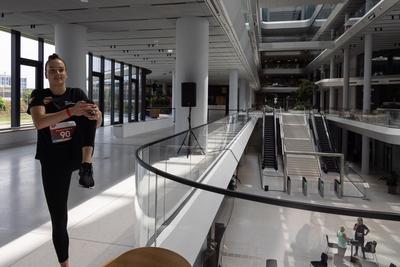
(146, 28)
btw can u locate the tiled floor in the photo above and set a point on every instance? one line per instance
(101, 225)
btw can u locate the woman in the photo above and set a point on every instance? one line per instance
(66, 124)
(360, 231)
(342, 243)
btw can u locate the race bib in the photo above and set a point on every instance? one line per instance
(63, 131)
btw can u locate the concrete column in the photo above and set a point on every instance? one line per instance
(346, 78)
(344, 142)
(346, 19)
(191, 35)
(321, 99)
(314, 99)
(233, 90)
(367, 73)
(331, 90)
(71, 46)
(174, 89)
(365, 155)
(164, 88)
(242, 94)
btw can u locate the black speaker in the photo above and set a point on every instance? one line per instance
(188, 94)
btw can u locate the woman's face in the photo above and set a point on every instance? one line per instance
(56, 72)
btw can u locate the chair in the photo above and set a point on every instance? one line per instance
(322, 263)
(330, 245)
(370, 247)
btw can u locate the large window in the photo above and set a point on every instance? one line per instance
(5, 80)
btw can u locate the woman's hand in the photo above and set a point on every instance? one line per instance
(93, 113)
(81, 108)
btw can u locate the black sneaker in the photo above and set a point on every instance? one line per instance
(86, 175)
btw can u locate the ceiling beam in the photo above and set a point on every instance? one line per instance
(294, 46)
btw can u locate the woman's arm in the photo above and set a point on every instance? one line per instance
(95, 114)
(42, 120)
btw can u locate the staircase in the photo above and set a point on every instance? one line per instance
(269, 160)
(297, 138)
(330, 164)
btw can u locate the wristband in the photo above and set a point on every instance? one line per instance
(68, 112)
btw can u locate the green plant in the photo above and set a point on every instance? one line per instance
(3, 104)
(303, 94)
(26, 95)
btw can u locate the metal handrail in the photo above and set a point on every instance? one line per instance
(313, 142)
(263, 133)
(264, 199)
(324, 154)
(284, 159)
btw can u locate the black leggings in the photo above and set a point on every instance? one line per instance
(56, 177)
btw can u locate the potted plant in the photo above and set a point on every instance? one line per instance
(392, 183)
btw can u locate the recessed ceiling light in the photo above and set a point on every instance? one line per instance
(170, 50)
(84, 1)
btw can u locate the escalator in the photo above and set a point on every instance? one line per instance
(269, 155)
(329, 164)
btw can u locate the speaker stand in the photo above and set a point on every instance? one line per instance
(189, 135)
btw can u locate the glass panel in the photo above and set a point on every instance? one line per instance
(117, 69)
(140, 93)
(96, 90)
(183, 158)
(134, 72)
(107, 92)
(5, 80)
(29, 48)
(133, 99)
(116, 101)
(126, 93)
(96, 64)
(28, 83)
(49, 49)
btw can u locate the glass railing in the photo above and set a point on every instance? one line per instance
(382, 116)
(170, 171)
(188, 155)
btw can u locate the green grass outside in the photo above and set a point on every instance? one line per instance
(5, 119)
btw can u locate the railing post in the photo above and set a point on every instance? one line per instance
(263, 137)
(304, 186)
(285, 175)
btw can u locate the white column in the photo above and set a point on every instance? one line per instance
(71, 46)
(321, 99)
(331, 89)
(242, 94)
(233, 91)
(344, 142)
(314, 99)
(365, 155)
(353, 96)
(164, 88)
(174, 89)
(346, 78)
(191, 66)
(367, 73)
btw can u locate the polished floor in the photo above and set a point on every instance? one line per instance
(101, 225)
